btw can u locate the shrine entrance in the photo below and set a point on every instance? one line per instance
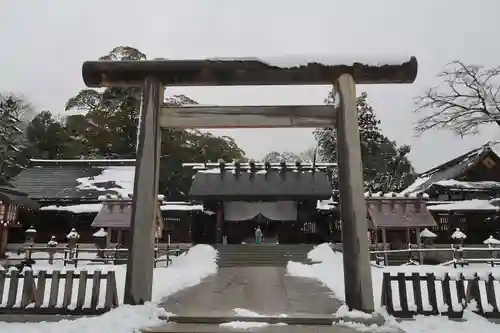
(155, 75)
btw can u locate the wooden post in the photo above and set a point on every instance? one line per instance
(4, 237)
(419, 242)
(119, 236)
(357, 268)
(139, 277)
(384, 246)
(108, 238)
(219, 221)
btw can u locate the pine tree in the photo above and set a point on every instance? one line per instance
(11, 136)
(385, 166)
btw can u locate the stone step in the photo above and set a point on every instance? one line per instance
(262, 258)
(242, 255)
(255, 259)
(278, 328)
(276, 324)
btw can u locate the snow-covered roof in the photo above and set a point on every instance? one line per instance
(76, 209)
(465, 205)
(457, 184)
(76, 179)
(180, 206)
(452, 169)
(96, 207)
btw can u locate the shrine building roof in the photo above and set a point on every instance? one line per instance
(260, 181)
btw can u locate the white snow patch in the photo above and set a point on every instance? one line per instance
(121, 176)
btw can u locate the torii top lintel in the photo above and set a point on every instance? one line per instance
(247, 71)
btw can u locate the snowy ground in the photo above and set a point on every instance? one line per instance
(329, 271)
(186, 270)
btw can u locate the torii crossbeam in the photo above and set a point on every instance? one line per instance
(153, 76)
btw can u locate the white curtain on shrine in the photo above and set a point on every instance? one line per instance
(273, 210)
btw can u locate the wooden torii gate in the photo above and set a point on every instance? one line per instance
(155, 75)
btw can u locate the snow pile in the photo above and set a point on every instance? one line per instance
(329, 270)
(186, 270)
(244, 325)
(344, 312)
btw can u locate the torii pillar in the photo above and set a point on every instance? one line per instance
(155, 75)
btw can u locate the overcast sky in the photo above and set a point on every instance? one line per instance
(45, 42)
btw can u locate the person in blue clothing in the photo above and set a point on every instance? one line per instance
(258, 235)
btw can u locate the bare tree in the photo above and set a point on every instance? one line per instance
(468, 97)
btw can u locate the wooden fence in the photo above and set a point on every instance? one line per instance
(444, 295)
(26, 293)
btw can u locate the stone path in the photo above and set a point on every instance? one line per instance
(265, 290)
(209, 306)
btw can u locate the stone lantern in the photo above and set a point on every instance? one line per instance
(458, 238)
(52, 245)
(30, 235)
(427, 240)
(100, 241)
(427, 237)
(30, 240)
(493, 244)
(73, 238)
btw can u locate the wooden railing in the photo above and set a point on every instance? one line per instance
(39, 294)
(115, 256)
(444, 295)
(458, 255)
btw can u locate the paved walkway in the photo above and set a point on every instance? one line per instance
(265, 290)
